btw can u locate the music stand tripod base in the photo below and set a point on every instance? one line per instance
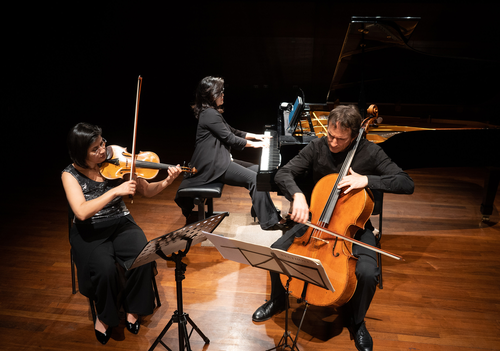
(179, 316)
(283, 343)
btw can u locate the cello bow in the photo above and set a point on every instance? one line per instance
(354, 241)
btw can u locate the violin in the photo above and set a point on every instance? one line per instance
(147, 164)
(336, 217)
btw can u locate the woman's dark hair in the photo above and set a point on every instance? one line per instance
(80, 137)
(209, 89)
(348, 116)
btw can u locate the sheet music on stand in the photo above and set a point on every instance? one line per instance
(304, 268)
(175, 241)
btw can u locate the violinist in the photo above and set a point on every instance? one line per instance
(371, 168)
(212, 155)
(105, 234)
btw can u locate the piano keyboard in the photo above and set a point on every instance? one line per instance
(270, 158)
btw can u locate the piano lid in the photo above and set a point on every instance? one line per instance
(366, 34)
(379, 63)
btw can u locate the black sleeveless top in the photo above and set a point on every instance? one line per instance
(116, 208)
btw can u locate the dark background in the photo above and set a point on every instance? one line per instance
(79, 61)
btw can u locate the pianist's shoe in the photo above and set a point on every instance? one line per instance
(284, 225)
(254, 214)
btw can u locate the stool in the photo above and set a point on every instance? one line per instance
(201, 195)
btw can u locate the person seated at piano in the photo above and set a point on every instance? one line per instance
(104, 232)
(371, 168)
(212, 155)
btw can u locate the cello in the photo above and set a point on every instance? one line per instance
(334, 212)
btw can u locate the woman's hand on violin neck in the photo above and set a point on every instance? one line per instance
(173, 172)
(151, 189)
(353, 181)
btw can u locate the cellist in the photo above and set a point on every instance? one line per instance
(371, 168)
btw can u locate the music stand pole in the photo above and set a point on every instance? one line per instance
(179, 316)
(283, 343)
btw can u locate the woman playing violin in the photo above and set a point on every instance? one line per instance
(105, 234)
(371, 168)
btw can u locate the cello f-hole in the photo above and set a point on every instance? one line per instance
(305, 243)
(335, 254)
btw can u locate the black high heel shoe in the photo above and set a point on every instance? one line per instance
(133, 327)
(103, 338)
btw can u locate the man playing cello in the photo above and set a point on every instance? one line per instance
(371, 168)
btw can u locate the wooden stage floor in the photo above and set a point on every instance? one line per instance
(445, 295)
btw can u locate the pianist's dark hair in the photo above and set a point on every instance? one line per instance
(348, 116)
(209, 89)
(80, 137)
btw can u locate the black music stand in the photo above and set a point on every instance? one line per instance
(177, 245)
(307, 269)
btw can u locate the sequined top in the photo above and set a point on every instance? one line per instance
(91, 189)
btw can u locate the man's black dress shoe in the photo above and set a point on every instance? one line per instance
(103, 338)
(133, 327)
(362, 339)
(269, 309)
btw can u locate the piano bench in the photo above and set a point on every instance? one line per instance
(203, 195)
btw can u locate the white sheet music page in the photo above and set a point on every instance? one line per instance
(304, 268)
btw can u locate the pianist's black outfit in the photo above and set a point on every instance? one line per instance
(383, 174)
(212, 158)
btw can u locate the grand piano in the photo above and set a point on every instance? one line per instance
(434, 112)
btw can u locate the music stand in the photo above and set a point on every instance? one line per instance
(304, 268)
(177, 245)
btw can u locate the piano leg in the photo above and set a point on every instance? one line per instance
(490, 189)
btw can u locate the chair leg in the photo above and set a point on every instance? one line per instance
(155, 287)
(73, 279)
(379, 259)
(92, 310)
(210, 207)
(201, 207)
(380, 221)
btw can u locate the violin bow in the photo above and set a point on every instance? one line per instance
(357, 242)
(137, 99)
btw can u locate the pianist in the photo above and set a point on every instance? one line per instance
(212, 155)
(371, 168)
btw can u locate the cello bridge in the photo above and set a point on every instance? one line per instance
(323, 240)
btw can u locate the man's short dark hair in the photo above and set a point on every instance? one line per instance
(348, 117)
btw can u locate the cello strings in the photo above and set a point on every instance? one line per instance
(335, 193)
